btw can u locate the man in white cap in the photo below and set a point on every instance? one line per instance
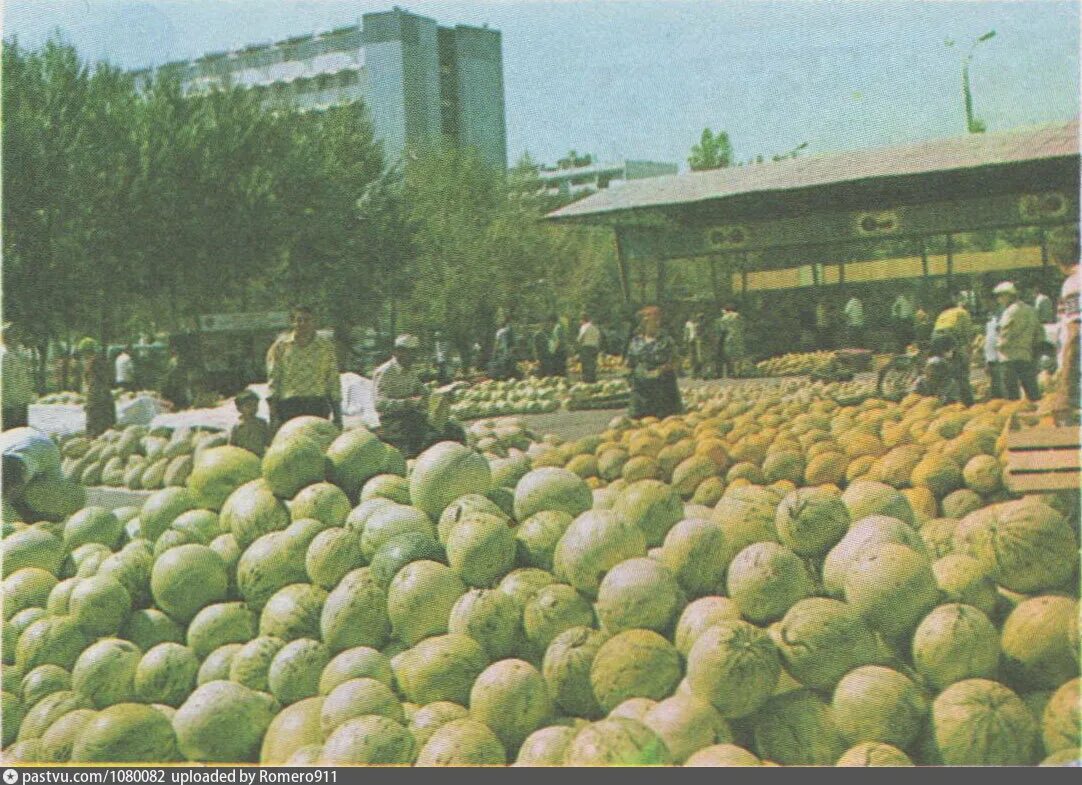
(400, 398)
(1018, 333)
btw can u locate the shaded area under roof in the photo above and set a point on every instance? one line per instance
(972, 151)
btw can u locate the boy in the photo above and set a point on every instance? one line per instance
(252, 432)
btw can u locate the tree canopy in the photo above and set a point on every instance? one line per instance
(714, 151)
(136, 210)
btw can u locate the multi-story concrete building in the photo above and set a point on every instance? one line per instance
(571, 181)
(419, 81)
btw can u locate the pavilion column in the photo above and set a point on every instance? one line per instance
(621, 264)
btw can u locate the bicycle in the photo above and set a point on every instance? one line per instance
(895, 380)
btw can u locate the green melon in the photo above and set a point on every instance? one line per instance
(292, 729)
(295, 670)
(634, 663)
(218, 625)
(735, 666)
(126, 733)
(223, 722)
(355, 613)
(443, 473)
(566, 668)
(166, 674)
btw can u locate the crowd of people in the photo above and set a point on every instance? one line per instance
(1020, 345)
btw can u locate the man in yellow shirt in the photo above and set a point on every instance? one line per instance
(302, 373)
(956, 323)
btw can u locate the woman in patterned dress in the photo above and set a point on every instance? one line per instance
(652, 358)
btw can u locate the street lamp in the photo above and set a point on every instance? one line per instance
(973, 125)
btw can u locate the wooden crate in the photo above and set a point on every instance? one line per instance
(1043, 458)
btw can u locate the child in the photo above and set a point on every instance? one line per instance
(252, 432)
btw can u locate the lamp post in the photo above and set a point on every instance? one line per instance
(973, 125)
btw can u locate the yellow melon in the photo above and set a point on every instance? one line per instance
(826, 467)
(641, 467)
(923, 503)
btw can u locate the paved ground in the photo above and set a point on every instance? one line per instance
(112, 498)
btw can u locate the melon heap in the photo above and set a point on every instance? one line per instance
(773, 578)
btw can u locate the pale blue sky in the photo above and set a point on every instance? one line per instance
(641, 79)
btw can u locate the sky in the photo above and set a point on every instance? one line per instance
(635, 79)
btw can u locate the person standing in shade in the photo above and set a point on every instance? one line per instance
(693, 345)
(991, 354)
(97, 388)
(502, 364)
(539, 348)
(922, 325)
(442, 357)
(721, 334)
(589, 340)
(16, 381)
(956, 323)
(901, 318)
(302, 373)
(125, 369)
(558, 347)
(401, 400)
(1019, 332)
(853, 313)
(823, 321)
(652, 360)
(1042, 304)
(735, 344)
(175, 387)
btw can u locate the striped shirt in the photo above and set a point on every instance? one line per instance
(295, 371)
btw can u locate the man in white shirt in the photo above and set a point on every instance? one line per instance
(589, 341)
(901, 316)
(125, 369)
(442, 354)
(401, 400)
(991, 353)
(854, 322)
(693, 340)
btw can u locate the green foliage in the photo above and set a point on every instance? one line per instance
(137, 209)
(714, 151)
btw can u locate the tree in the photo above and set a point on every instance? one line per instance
(712, 152)
(574, 161)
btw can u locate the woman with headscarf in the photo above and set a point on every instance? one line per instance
(652, 359)
(97, 383)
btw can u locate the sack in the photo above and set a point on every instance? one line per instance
(140, 411)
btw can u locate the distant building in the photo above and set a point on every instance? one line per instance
(418, 80)
(570, 181)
